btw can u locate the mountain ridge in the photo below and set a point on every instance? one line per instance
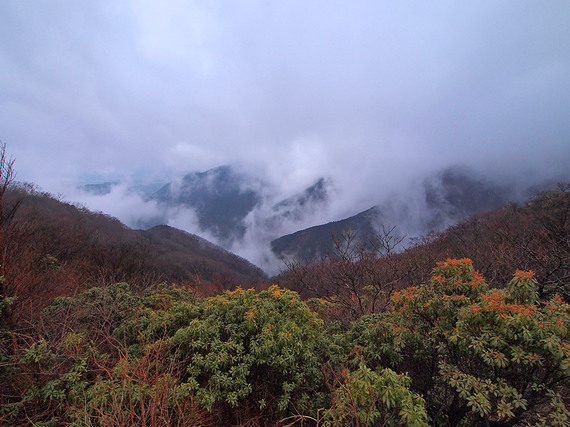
(448, 197)
(99, 249)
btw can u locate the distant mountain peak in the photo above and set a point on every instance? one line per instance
(99, 189)
(221, 198)
(302, 204)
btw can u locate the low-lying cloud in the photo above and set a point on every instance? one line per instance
(417, 206)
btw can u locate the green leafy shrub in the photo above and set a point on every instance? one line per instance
(50, 377)
(250, 355)
(475, 355)
(365, 397)
(450, 351)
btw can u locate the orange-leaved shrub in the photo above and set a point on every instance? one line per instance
(477, 356)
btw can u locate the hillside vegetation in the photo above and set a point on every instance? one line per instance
(362, 277)
(101, 325)
(448, 352)
(53, 248)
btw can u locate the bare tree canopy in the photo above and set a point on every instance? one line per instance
(7, 177)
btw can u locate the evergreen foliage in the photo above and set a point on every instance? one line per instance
(449, 352)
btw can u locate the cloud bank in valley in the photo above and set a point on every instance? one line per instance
(374, 95)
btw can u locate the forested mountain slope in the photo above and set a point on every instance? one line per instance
(441, 200)
(531, 236)
(55, 248)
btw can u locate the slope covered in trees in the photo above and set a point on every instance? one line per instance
(52, 248)
(534, 236)
(316, 242)
(447, 197)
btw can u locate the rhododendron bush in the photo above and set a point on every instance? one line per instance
(448, 352)
(475, 355)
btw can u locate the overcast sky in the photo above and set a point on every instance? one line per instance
(366, 92)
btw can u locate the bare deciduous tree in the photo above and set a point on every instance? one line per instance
(360, 276)
(7, 177)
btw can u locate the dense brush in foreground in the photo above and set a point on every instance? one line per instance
(448, 352)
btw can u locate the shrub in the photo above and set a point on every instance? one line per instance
(365, 397)
(250, 355)
(475, 355)
(138, 391)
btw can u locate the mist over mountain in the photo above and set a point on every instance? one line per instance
(438, 201)
(98, 189)
(226, 205)
(220, 197)
(252, 217)
(293, 207)
(372, 97)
